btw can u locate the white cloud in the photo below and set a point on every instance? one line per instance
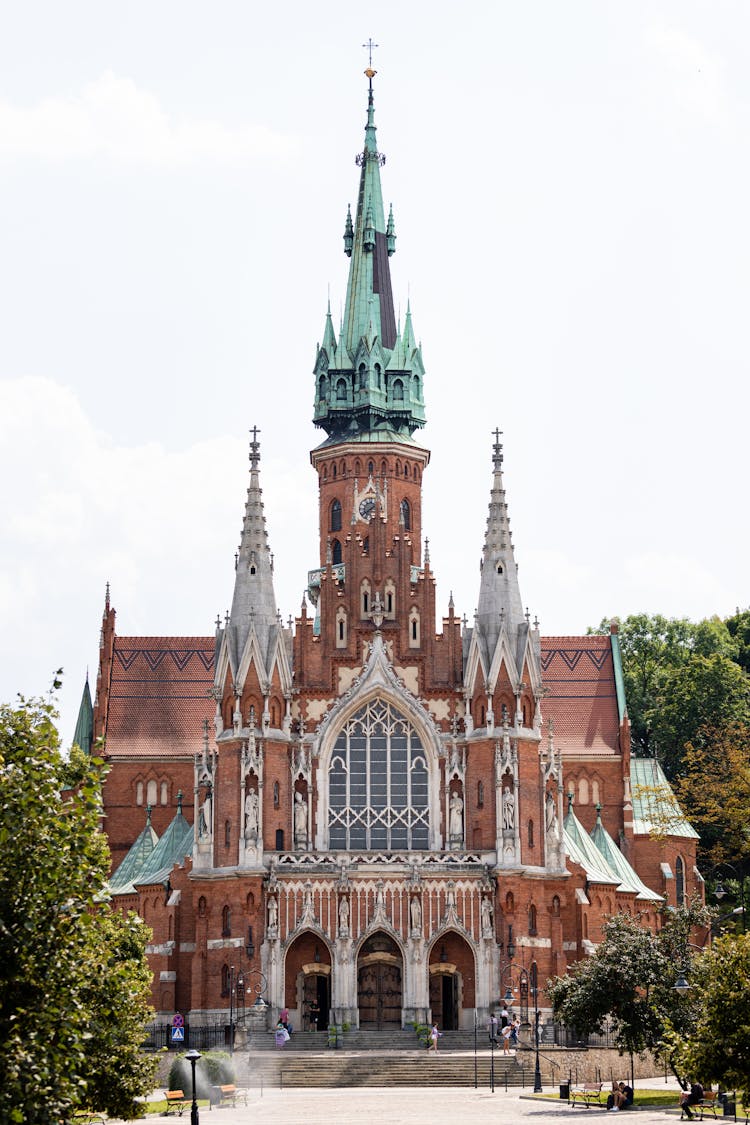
(115, 119)
(692, 76)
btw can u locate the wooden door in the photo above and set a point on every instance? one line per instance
(379, 995)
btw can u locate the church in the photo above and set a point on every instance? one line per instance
(369, 815)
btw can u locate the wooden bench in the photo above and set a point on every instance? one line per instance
(709, 1104)
(176, 1102)
(87, 1117)
(230, 1095)
(590, 1093)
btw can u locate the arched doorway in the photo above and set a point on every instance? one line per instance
(307, 982)
(451, 981)
(379, 976)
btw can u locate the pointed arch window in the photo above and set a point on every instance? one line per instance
(378, 783)
(679, 872)
(365, 591)
(322, 388)
(406, 513)
(341, 390)
(532, 920)
(415, 387)
(336, 515)
(341, 636)
(151, 794)
(226, 922)
(390, 598)
(398, 390)
(583, 791)
(414, 635)
(336, 552)
(139, 793)
(225, 978)
(164, 792)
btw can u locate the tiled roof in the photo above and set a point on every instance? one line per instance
(581, 695)
(655, 807)
(159, 695)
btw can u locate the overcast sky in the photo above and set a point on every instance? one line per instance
(571, 186)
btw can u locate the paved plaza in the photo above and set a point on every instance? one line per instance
(428, 1105)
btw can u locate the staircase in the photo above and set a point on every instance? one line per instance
(382, 1058)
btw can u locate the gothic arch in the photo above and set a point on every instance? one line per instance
(384, 688)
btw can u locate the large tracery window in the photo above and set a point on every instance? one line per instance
(378, 783)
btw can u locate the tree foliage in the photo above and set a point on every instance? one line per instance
(627, 982)
(74, 982)
(716, 1048)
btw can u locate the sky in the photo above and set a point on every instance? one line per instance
(570, 185)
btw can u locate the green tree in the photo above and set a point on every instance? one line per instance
(738, 627)
(714, 790)
(627, 983)
(705, 692)
(717, 1046)
(63, 952)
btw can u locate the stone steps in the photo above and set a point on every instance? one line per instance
(398, 1039)
(341, 1068)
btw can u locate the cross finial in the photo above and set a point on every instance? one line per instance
(497, 449)
(254, 448)
(369, 46)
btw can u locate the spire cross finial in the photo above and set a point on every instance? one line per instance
(254, 448)
(369, 46)
(497, 449)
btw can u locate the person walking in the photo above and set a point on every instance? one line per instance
(434, 1036)
(506, 1034)
(492, 1028)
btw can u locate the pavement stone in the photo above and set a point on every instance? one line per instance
(423, 1105)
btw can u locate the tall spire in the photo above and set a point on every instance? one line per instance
(499, 596)
(254, 601)
(354, 394)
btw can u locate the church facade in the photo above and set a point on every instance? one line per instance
(369, 815)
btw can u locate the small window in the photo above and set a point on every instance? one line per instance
(227, 833)
(336, 515)
(509, 906)
(366, 545)
(139, 793)
(370, 466)
(276, 801)
(279, 839)
(415, 387)
(341, 390)
(406, 515)
(531, 833)
(226, 922)
(398, 391)
(555, 905)
(225, 980)
(583, 791)
(595, 797)
(322, 388)
(532, 920)
(480, 794)
(406, 469)
(151, 794)
(164, 792)
(336, 551)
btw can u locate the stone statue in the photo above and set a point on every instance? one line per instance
(300, 821)
(204, 817)
(252, 808)
(487, 918)
(550, 817)
(415, 912)
(344, 914)
(509, 811)
(456, 818)
(273, 913)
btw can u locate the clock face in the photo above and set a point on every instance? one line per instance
(367, 508)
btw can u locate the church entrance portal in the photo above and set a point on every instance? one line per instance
(316, 1002)
(379, 983)
(444, 1000)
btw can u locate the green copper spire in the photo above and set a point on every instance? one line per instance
(369, 383)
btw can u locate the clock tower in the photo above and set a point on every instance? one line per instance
(369, 400)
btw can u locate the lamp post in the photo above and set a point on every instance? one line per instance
(231, 1010)
(492, 1064)
(475, 1047)
(192, 1056)
(537, 1016)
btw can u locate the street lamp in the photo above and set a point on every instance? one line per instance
(192, 1056)
(231, 1010)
